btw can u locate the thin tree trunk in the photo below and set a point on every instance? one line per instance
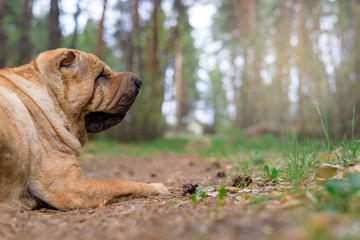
(136, 40)
(278, 107)
(2, 34)
(100, 32)
(155, 63)
(75, 35)
(178, 67)
(25, 44)
(54, 25)
(242, 13)
(133, 48)
(178, 78)
(300, 65)
(155, 81)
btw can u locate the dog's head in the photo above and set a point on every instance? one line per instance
(87, 89)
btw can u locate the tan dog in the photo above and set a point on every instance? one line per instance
(46, 109)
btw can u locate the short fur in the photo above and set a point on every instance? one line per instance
(46, 109)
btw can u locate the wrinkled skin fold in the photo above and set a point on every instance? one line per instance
(47, 107)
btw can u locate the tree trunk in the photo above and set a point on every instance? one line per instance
(25, 44)
(244, 15)
(300, 65)
(178, 67)
(136, 38)
(2, 34)
(133, 59)
(100, 32)
(54, 25)
(278, 107)
(155, 81)
(75, 34)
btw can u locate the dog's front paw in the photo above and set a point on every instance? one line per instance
(159, 188)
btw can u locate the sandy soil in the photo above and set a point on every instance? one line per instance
(162, 217)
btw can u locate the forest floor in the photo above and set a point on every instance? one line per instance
(259, 209)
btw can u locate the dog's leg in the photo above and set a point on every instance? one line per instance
(65, 188)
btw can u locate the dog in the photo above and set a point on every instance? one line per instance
(47, 107)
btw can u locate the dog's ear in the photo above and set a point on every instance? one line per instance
(67, 58)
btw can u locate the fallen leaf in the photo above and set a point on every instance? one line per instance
(327, 171)
(354, 169)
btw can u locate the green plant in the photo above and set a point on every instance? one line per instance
(300, 163)
(340, 192)
(256, 157)
(349, 151)
(199, 194)
(325, 128)
(273, 175)
(221, 196)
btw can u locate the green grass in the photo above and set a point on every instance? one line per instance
(212, 146)
(114, 148)
(324, 124)
(299, 162)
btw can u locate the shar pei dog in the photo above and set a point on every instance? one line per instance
(47, 107)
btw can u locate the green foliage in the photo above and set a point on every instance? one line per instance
(216, 98)
(198, 196)
(325, 127)
(256, 157)
(340, 194)
(106, 147)
(221, 196)
(300, 163)
(273, 175)
(257, 199)
(12, 18)
(350, 150)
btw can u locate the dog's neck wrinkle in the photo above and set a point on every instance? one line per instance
(75, 128)
(38, 94)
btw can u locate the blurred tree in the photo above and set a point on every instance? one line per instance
(277, 58)
(301, 32)
(39, 34)
(2, 34)
(25, 44)
(148, 46)
(155, 93)
(54, 25)
(76, 29)
(217, 100)
(186, 61)
(100, 32)
(87, 40)
(133, 58)
(277, 103)
(12, 21)
(179, 9)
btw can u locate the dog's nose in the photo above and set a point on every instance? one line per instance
(138, 83)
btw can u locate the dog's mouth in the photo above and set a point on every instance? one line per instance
(100, 121)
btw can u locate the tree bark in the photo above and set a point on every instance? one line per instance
(133, 60)
(300, 65)
(243, 18)
(2, 34)
(75, 34)
(155, 81)
(25, 44)
(54, 25)
(100, 33)
(178, 67)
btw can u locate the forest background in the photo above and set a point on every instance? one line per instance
(263, 66)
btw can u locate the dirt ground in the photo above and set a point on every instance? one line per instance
(161, 217)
